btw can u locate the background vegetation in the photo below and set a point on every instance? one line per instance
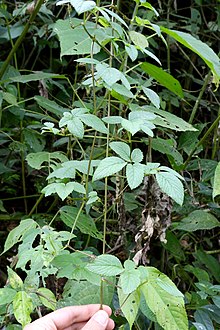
(109, 134)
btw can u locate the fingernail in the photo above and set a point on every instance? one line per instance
(101, 317)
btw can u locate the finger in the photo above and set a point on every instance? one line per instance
(65, 317)
(99, 321)
(81, 325)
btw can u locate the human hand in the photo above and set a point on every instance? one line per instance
(88, 317)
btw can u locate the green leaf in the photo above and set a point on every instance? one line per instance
(168, 309)
(198, 47)
(81, 6)
(10, 98)
(135, 174)
(7, 295)
(35, 77)
(122, 149)
(216, 184)
(137, 155)
(23, 307)
(138, 39)
(198, 220)
(112, 120)
(94, 122)
(14, 280)
(47, 298)
(109, 75)
(152, 96)
(74, 40)
(75, 126)
(122, 90)
(129, 304)
(83, 293)
(84, 223)
(130, 278)
(164, 78)
(49, 105)
(36, 160)
(108, 166)
(18, 232)
(166, 147)
(132, 52)
(171, 186)
(106, 265)
(210, 263)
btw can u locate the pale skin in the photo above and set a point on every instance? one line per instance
(87, 317)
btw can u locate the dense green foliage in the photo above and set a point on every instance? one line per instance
(110, 173)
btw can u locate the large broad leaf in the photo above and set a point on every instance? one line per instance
(23, 307)
(164, 118)
(216, 185)
(84, 223)
(36, 160)
(94, 122)
(108, 166)
(197, 46)
(35, 77)
(18, 232)
(198, 220)
(50, 106)
(135, 174)
(74, 40)
(168, 309)
(171, 186)
(129, 304)
(106, 265)
(164, 78)
(84, 292)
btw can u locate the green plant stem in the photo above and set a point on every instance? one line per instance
(211, 128)
(36, 205)
(75, 221)
(19, 197)
(20, 39)
(195, 108)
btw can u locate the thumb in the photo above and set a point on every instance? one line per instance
(98, 321)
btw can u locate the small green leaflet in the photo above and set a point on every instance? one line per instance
(81, 6)
(75, 119)
(130, 278)
(137, 155)
(135, 174)
(216, 184)
(198, 47)
(106, 265)
(152, 96)
(63, 190)
(47, 298)
(14, 280)
(108, 166)
(138, 39)
(171, 185)
(50, 106)
(132, 52)
(23, 307)
(164, 78)
(122, 149)
(198, 220)
(7, 295)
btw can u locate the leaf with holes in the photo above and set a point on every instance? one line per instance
(198, 220)
(23, 307)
